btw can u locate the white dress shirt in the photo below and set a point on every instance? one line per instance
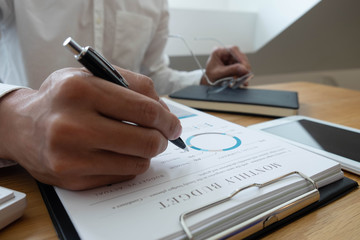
(131, 34)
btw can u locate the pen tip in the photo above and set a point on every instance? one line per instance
(186, 149)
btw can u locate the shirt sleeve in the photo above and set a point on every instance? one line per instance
(6, 88)
(156, 62)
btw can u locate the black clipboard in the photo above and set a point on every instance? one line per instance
(66, 230)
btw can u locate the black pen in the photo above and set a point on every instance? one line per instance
(101, 68)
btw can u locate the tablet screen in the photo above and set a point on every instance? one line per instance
(335, 140)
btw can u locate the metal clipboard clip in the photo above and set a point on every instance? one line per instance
(261, 221)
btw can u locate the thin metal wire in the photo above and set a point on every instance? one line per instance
(220, 83)
(220, 43)
(232, 82)
(193, 55)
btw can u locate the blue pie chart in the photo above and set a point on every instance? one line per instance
(213, 142)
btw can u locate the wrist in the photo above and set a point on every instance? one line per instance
(205, 80)
(10, 107)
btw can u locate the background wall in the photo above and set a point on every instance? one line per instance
(322, 46)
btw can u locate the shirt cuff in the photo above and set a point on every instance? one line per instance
(6, 88)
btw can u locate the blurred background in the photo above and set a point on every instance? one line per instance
(297, 40)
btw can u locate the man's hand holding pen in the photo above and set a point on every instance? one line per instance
(77, 121)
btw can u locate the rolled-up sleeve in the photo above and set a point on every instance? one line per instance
(6, 88)
(156, 63)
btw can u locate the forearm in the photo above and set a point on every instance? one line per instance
(168, 80)
(5, 90)
(10, 121)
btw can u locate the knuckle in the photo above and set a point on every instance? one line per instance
(234, 48)
(72, 183)
(150, 111)
(70, 87)
(57, 126)
(154, 145)
(60, 131)
(142, 166)
(218, 50)
(57, 134)
(241, 69)
(63, 173)
(57, 167)
(147, 85)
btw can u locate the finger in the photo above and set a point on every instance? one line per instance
(164, 104)
(232, 55)
(128, 139)
(95, 162)
(110, 163)
(143, 85)
(232, 70)
(97, 133)
(240, 57)
(139, 83)
(123, 104)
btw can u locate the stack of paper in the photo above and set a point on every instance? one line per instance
(223, 157)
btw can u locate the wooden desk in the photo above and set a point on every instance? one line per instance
(338, 220)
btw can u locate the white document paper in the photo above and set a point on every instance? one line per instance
(223, 157)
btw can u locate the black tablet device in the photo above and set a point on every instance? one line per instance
(331, 140)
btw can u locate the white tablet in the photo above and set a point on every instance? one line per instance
(331, 140)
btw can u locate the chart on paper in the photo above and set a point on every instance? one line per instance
(222, 157)
(213, 142)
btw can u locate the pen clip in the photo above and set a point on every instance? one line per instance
(107, 64)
